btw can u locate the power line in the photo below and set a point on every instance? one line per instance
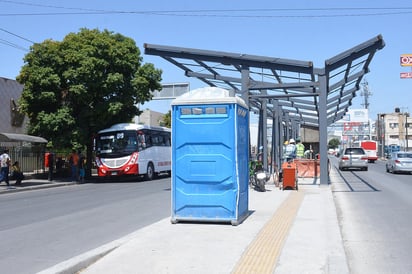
(45, 6)
(18, 36)
(361, 11)
(180, 14)
(213, 10)
(13, 45)
(10, 44)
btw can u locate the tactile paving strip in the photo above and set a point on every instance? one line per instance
(263, 253)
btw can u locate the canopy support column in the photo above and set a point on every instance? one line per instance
(323, 130)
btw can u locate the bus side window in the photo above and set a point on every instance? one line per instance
(166, 140)
(155, 140)
(148, 141)
(160, 140)
(141, 144)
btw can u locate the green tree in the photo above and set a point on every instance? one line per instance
(334, 143)
(167, 120)
(89, 81)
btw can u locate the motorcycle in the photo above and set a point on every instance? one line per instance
(257, 176)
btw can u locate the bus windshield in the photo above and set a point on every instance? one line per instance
(117, 143)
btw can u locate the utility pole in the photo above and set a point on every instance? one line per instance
(405, 62)
(405, 116)
(366, 93)
(406, 134)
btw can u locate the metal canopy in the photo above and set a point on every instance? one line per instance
(15, 137)
(288, 91)
(294, 84)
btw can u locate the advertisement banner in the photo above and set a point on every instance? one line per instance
(406, 75)
(355, 128)
(355, 115)
(406, 60)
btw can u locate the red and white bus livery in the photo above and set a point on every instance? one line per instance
(131, 149)
(370, 147)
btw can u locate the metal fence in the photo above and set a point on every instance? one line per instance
(32, 157)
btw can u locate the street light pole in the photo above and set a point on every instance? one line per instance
(382, 126)
(406, 133)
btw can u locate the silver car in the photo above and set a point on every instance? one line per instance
(399, 162)
(353, 157)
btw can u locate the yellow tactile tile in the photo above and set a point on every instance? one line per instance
(263, 253)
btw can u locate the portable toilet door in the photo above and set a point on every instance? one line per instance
(210, 139)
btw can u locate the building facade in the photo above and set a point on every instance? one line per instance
(11, 121)
(394, 130)
(149, 118)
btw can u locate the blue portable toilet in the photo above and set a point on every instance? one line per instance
(210, 140)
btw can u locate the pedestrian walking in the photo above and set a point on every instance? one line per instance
(5, 166)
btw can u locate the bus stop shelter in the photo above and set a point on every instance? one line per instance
(294, 94)
(27, 149)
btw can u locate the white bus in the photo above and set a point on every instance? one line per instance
(131, 149)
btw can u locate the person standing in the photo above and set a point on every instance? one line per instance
(285, 156)
(82, 167)
(50, 161)
(5, 166)
(300, 149)
(290, 150)
(74, 162)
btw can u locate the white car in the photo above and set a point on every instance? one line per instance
(353, 158)
(399, 162)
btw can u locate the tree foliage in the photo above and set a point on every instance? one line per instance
(167, 120)
(89, 81)
(334, 143)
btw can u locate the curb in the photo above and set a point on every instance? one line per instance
(35, 187)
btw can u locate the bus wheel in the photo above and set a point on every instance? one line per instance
(150, 172)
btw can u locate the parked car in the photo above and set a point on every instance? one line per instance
(353, 158)
(399, 162)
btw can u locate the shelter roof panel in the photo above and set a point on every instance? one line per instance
(15, 137)
(294, 84)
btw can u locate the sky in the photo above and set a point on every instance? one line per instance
(306, 30)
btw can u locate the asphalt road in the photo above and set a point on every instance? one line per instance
(41, 228)
(374, 211)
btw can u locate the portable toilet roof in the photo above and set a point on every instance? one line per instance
(209, 95)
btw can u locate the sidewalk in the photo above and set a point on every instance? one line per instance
(286, 232)
(31, 184)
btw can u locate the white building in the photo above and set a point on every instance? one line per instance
(149, 118)
(395, 129)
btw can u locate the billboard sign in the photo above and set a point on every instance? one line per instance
(359, 115)
(355, 115)
(406, 60)
(406, 75)
(355, 128)
(170, 91)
